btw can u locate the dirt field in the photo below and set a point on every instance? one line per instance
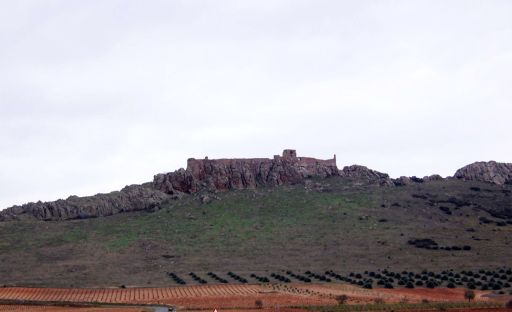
(192, 297)
(34, 308)
(278, 296)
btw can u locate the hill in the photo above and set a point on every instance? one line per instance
(353, 220)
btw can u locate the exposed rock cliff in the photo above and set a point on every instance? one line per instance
(492, 172)
(205, 174)
(231, 174)
(227, 174)
(130, 198)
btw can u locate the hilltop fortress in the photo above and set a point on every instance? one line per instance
(204, 174)
(212, 175)
(226, 174)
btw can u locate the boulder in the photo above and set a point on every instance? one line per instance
(491, 172)
(364, 174)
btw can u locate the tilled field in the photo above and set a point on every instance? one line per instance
(270, 296)
(127, 295)
(205, 296)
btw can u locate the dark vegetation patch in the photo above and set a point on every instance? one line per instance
(196, 278)
(445, 209)
(299, 277)
(485, 220)
(497, 280)
(280, 278)
(261, 279)
(421, 196)
(237, 277)
(217, 278)
(427, 243)
(176, 278)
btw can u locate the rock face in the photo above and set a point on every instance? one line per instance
(492, 172)
(130, 198)
(204, 174)
(366, 175)
(212, 175)
(229, 174)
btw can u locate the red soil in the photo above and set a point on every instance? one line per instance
(197, 297)
(235, 296)
(435, 294)
(35, 308)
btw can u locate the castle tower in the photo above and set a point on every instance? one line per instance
(289, 153)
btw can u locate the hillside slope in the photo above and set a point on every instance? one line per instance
(337, 223)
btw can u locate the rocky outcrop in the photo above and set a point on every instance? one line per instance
(232, 174)
(206, 176)
(402, 181)
(492, 172)
(433, 177)
(130, 198)
(200, 175)
(364, 174)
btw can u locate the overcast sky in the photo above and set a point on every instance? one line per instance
(95, 95)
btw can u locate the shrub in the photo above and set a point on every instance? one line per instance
(445, 210)
(341, 299)
(509, 304)
(258, 303)
(469, 294)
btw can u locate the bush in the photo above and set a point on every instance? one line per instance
(509, 304)
(258, 303)
(341, 299)
(469, 294)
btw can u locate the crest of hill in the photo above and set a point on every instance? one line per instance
(212, 175)
(205, 174)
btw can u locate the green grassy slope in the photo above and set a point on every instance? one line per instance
(327, 224)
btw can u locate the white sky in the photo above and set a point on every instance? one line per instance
(95, 95)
